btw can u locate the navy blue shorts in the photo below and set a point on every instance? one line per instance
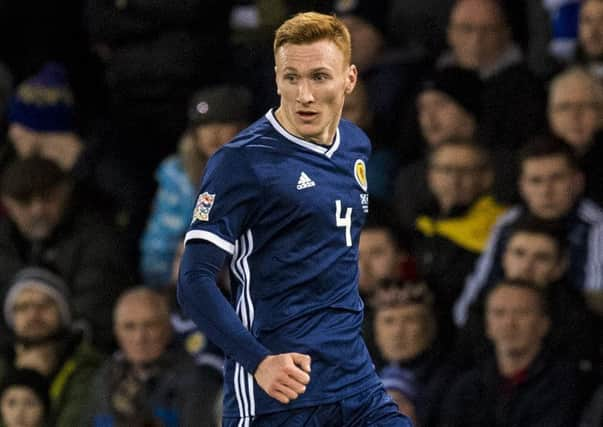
(369, 408)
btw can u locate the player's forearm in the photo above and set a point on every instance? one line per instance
(203, 302)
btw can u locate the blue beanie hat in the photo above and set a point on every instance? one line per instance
(44, 102)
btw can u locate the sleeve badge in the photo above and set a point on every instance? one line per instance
(205, 202)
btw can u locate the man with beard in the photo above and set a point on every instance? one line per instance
(36, 309)
(45, 224)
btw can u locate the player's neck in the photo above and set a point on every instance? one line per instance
(326, 139)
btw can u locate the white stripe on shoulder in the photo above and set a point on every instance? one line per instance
(210, 237)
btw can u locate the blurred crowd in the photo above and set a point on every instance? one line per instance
(481, 261)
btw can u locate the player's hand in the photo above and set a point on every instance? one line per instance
(284, 376)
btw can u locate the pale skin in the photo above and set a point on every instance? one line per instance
(312, 81)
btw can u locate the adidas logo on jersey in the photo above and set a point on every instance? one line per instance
(304, 181)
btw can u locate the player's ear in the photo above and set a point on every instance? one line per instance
(351, 79)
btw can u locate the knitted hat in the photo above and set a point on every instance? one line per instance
(220, 104)
(44, 102)
(402, 380)
(31, 379)
(42, 280)
(463, 86)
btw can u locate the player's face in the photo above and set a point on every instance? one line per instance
(35, 314)
(440, 118)
(312, 81)
(575, 114)
(403, 332)
(549, 186)
(514, 321)
(20, 407)
(532, 257)
(590, 28)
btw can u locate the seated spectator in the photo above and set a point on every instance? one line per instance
(480, 38)
(215, 116)
(453, 229)
(575, 113)
(24, 399)
(551, 186)
(147, 382)
(447, 108)
(590, 36)
(522, 383)
(43, 227)
(536, 251)
(407, 337)
(380, 257)
(37, 310)
(43, 120)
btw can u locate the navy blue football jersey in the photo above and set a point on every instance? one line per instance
(290, 213)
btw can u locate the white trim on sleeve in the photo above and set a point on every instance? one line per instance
(210, 237)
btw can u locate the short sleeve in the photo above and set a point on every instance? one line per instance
(227, 198)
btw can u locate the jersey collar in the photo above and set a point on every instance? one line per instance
(327, 151)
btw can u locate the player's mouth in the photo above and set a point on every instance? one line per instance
(306, 115)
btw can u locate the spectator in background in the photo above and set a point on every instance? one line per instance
(522, 383)
(447, 107)
(575, 114)
(215, 116)
(147, 381)
(551, 185)
(480, 39)
(590, 37)
(452, 230)
(24, 399)
(43, 227)
(407, 337)
(380, 257)
(37, 310)
(43, 120)
(537, 252)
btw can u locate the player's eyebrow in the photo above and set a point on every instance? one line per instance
(313, 70)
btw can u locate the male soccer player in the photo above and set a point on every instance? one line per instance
(286, 200)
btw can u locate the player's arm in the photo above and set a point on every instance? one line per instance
(284, 376)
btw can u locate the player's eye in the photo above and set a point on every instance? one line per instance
(290, 77)
(320, 76)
